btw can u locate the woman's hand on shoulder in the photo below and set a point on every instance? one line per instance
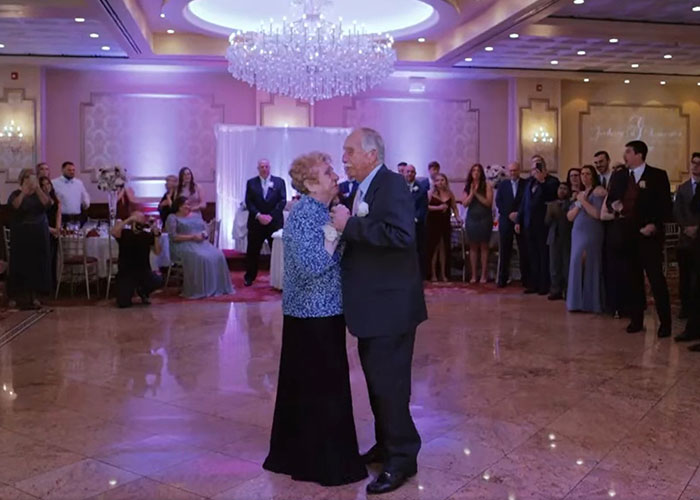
(600, 191)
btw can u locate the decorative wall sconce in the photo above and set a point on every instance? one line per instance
(542, 136)
(12, 137)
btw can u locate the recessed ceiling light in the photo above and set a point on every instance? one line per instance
(663, 82)
(578, 2)
(514, 36)
(586, 80)
(696, 8)
(634, 65)
(613, 40)
(162, 15)
(79, 19)
(627, 81)
(668, 56)
(421, 40)
(2, 46)
(554, 61)
(488, 49)
(581, 52)
(468, 59)
(94, 35)
(171, 31)
(698, 84)
(106, 48)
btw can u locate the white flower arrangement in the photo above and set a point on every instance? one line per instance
(363, 209)
(111, 179)
(415, 188)
(330, 233)
(642, 184)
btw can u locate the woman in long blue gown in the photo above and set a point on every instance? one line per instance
(585, 288)
(204, 266)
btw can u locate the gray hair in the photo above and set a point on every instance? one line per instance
(372, 140)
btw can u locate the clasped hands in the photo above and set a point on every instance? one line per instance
(264, 219)
(339, 217)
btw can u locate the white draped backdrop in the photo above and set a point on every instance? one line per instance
(238, 149)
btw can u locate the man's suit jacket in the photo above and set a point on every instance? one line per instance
(273, 204)
(425, 182)
(683, 213)
(507, 203)
(420, 200)
(534, 204)
(382, 285)
(649, 201)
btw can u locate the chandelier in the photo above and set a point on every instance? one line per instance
(311, 58)
(12, 137)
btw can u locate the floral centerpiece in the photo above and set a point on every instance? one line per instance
(111, 180)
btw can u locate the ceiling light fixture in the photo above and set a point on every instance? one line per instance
(581, 53)
(554, 62)
(514, 36)
(613, 40)
(162, 15)
(634, 65)
(663, 82)
(310, 57)
(627, 81)
(696, 8)
(106, 48)
(79, 19)
(421, 40)
(668, 56)
(586, 80)
(578, 2)
(488, 49)
(94, 35)
(468, 59)
(2, 46)
(170, 31)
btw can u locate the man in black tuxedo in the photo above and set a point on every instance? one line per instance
(686, 252)
(419, 193)
(383, 301)
(540, 189)
(346, 190)
(509, 195)
(647, 201)
(265, 198)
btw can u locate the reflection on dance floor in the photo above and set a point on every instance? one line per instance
(513, 397)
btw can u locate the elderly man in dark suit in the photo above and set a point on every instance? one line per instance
(509, 195)
(647, 203)
(265, 198)
(540, 190)
(383, 301)
(419, 193)
(689, 221)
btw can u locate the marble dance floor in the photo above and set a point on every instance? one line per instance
(514, 399)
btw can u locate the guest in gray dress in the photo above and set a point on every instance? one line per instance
(204, 266)
(478, 198)
(586, 265)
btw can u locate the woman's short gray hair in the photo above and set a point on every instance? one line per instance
(372, 140)
(303, 169)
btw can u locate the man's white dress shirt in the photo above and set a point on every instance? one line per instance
(72, 195)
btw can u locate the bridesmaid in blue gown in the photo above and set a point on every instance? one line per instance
(204, 266)
(586, 264)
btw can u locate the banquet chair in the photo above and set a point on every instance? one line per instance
(672, 232)
(7, 235)
(112, 262)
(175, 272)
(72, 257)
(214, 228)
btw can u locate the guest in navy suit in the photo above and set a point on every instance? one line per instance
(540, 189)
(419, 193)
(509, 195)
(265, 198)
(346, 190)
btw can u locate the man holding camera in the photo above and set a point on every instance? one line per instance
(136, 237)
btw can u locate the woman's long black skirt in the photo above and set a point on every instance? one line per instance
(313, 432)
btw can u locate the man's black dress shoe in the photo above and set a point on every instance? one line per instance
(555, 296)
(500, 285)
(635, 328)
(248, 283)
(529, 291)
(694, 348)
(373, 456)
(664, 331)
(686, 337)
(388, 481)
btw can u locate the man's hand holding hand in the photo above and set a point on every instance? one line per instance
(339, 217)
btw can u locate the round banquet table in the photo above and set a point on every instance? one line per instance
(277, 260)
(98, 247)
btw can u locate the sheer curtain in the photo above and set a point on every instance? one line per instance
(238, 149)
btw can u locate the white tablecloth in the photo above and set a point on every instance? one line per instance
(277, 260)
(98, 247)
